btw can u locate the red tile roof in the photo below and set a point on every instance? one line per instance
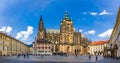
(99, 42)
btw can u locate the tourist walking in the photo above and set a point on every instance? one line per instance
(76, 55)
(27, 55)
(18, 55)
(24, 55)
(96, 57)
(89, 56)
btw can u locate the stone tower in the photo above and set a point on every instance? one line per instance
(66, 34)
(66, 29)
(41, 30)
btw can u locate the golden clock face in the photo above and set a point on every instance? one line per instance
(67, 38)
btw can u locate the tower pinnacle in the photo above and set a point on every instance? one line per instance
(41, 25)
(66, 17)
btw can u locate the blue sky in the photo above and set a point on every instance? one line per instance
(93, 18)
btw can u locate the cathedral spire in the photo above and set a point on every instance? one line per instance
(41, 29)
(41, 25)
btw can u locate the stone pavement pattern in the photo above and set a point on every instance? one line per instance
(57, 59)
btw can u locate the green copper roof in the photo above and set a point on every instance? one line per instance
(66, 17)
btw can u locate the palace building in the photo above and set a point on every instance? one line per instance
(65, 40)
(11, 46)
(97, 47)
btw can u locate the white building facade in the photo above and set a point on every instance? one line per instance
(97, 48)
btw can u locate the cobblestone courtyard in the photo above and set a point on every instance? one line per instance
(57, 59)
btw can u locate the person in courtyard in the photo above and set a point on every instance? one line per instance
(24, 55)
(18, 55)
(76, 55)
(27, 55)
(96, 57)
(89, 56)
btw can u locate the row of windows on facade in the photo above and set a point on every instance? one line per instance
(68, 29)
(13, 48)
(44, 47)
(4, 37)
(44, 51)
(97, 48)
(4, 43)
(44, 43)
(97, 51)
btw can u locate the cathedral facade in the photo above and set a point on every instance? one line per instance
(65, 40)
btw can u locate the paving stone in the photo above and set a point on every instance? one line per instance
(57, 59)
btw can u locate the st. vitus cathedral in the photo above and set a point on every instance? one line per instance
(65, 40)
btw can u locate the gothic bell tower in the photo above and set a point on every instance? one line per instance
(41, 30)
(66, 29)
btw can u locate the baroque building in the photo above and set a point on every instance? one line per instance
(97, 47)
(65, 40)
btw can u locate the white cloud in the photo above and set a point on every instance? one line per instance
(104, 12)
(93, 13)
(24, 35)
(6, 29)
(80, 30)
(106, 33)
(91, 32)
(3, 29)
(19, 35)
